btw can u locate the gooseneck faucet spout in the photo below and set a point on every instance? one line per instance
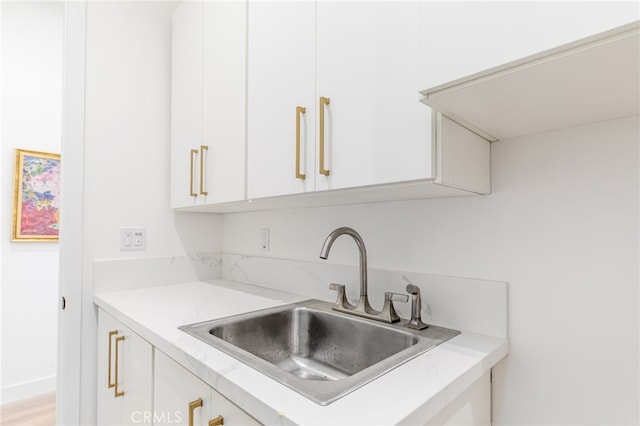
(362, 308)
(328, 242)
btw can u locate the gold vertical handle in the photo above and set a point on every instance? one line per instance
(191, 193)
(192, 406)
(218, 421)
(299, 111)
(116, 391)
(323, 103)
(111, 334)
(203, 148)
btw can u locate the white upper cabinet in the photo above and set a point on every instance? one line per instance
(281, 85)
(462, 38)
(224, 102)
(348, 73)
(321, 98)
(186, 102)
(367, 65)
(208, 103)
(590, 80)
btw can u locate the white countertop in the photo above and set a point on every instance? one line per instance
(413, 392)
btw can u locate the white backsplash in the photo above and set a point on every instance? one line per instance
(120, 274)
(478, 306)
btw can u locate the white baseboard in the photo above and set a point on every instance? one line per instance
(28, 389)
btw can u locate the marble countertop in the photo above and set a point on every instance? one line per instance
(412, 393)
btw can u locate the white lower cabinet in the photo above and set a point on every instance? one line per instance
(140, 385)
(179, 397)
(471, 408)
(125, 374)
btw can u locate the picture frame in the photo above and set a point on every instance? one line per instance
(36, 196)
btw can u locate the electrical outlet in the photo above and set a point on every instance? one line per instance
(133, 238)
(264, 239)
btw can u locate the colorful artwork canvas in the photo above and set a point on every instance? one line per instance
(36, 196)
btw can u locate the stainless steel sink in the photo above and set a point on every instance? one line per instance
(320, 353)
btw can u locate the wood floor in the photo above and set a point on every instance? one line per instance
(37, 411)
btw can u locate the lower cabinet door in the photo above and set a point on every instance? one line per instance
(472, 407)
(227, 411)
(181, 398)
(125, 374)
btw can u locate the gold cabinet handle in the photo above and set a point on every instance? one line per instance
(116, 391)
(203, 148)
(192, 406)
(323, 103)
(299, 111)
(111, 334)
(193, 152)
(218, 421)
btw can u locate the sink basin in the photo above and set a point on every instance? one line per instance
(319, 353)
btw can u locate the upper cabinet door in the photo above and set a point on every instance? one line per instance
(376, 131)
(208, 103)
(281, 78)
(186, 103)
(224, 102)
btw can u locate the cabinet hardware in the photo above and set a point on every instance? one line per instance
(218, 421)
(299, 111)
(192, 406)
(111, 334)
(323, 103)
(203, 148)
(191, 193)
(116, 392)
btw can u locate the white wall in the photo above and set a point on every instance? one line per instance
(32, 38)
(126, 151)
(561, 227)
(128, 128)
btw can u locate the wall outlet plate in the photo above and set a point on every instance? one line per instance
(264, 239)
(133, 238)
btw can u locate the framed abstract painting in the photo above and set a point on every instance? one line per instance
(36, 196)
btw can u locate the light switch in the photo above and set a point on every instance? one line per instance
(127, 238)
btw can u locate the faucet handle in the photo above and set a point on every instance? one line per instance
(336, 286)
(388, 311)
(395, 297)
(342, 300)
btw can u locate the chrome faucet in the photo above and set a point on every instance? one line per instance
(324, 253)
(362, 308)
